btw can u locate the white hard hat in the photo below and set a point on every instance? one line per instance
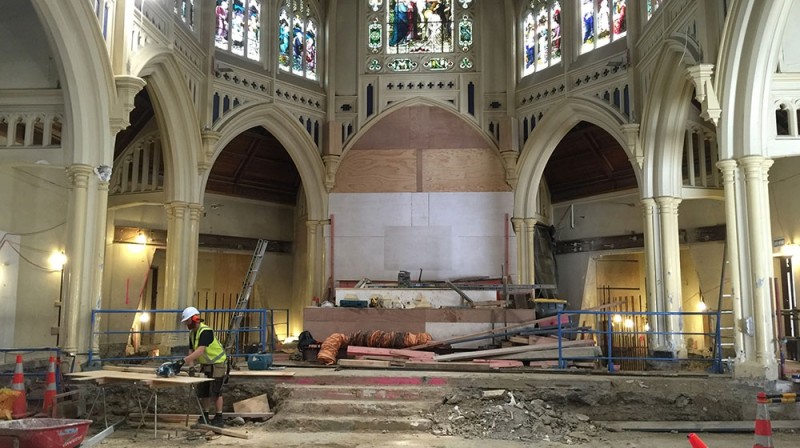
(188, 313)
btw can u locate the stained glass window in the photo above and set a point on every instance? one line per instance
(420, 26)
(602, 21)
(542, 36)
(298, 38)
(652, 5)
(238, 27)
(185, 10)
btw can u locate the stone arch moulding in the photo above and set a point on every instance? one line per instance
(546, 136)
(420, 101)
(178, 124)
(744, 72)
(88, 80)
(292, 136)
(664, 121)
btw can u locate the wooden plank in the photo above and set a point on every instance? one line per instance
(224, 432)
(257, 404)
(358, 363)
(509, 350)
(135, 376)
(520, 340)
(569, 352)
(696, 426)
(355, 350)
(262, 373)
(182, 418)
(499, 363)
(544, 322)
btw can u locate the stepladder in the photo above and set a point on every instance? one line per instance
(234, 327)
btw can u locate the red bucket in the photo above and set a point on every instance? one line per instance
(43, 433)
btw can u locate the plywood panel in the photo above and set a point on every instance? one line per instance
(376, 171)
(421, 127)
(462, 170)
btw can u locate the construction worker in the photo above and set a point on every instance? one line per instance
(209, 353)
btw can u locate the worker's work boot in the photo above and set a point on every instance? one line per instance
(204, 419)
(217, 421)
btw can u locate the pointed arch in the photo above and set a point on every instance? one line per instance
(177, 122)
(88, 79)
(747, 60)
(292, 136)
(664, 120)
(420, 101)
(546, 136)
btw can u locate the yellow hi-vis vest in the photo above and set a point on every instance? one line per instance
(214, 353)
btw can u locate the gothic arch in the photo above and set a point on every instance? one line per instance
(747, 60)
(294, 138)
(418, 101)
(664, 120)
(88, 80)
(546, 136)
(177, 122)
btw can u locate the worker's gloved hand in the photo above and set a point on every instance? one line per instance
(192, 372)
(177, 365)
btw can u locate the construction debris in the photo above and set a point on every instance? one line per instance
(509, 415)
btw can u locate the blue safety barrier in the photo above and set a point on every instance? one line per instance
(256, 334)
(616, 328)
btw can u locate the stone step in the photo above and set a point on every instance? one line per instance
(357, 407)
(302, 422)
(318, 392)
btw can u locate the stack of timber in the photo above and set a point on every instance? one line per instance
(534, 344)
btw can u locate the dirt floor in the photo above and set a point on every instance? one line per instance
(492, 410)
(177, 436)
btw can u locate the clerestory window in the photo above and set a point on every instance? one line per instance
(541, 35)
(603, 21)
(298, 38)
(238, 27)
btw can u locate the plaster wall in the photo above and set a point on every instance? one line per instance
(784, 187)
(591, 218)
(38, 197)
(789, 59)
(379, 234)
(346, 51)
(9, 270)
(494, 58)
(27, 62)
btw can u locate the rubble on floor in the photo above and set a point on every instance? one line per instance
(509, 415)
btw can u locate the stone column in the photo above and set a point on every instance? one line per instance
(99, 244)
(312, 273)
(671, 273)
(519, 226)
(530, 242)
(653, 291)
(78, 269)
(755, 170)
(731, 255)
(174, 287)
(192, 246)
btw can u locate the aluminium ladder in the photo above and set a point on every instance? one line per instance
(724, 346)
(231, 335)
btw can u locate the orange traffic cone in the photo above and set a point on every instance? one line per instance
(20, 407)
(696, 441)
(50, 392)
(763, 431)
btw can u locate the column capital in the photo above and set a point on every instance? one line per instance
(531, 223)
(78, 175)
(727, 165)
(312, 224)
(667, 201)
(176, 209)
(516, 224)
(196, 210)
